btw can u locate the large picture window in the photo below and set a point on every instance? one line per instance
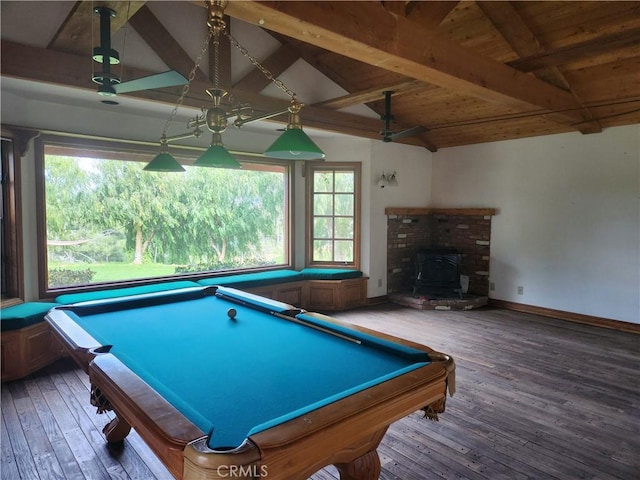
(333, 229)
(106, 220)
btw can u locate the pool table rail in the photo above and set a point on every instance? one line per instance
(76, 341)
(256, 302)
(375, 333)
(138, 405)
(345, 433)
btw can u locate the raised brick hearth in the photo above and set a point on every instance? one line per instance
(467, 302)
(467, 230)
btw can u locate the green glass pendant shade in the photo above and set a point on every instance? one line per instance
(294, 144)
(164, 162)
(217, 156)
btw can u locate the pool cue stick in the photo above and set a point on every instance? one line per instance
(318, 327)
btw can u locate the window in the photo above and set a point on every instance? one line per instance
(10, 231)
(107, 221)
(333, 227)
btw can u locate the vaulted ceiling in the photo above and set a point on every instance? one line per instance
(469, 71)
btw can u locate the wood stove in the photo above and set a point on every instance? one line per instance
(438, 273)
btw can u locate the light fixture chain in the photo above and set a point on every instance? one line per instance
(185, 89)
(216, 75)
(259, 66)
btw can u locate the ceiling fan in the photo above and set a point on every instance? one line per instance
(389, 135)
(110, 83)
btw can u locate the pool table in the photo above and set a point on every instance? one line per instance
(221, 383)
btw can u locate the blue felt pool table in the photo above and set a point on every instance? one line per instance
(224, 384)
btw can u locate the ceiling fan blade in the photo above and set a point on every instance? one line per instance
(158, 80)
(409, 132)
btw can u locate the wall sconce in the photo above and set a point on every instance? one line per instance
(387, 180)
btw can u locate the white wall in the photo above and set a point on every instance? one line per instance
(29, 226)
(568, 221)
(412, 166)
(413, 171)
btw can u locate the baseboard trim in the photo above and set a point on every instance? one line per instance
(569, 316)
(377, 300)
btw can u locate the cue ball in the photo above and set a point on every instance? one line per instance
(232, 313)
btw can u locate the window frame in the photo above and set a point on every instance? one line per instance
(311, 168)
(122, 148)
(14, 145)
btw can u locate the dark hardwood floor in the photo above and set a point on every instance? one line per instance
(537, 398)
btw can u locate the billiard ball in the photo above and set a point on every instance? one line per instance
(232, 313)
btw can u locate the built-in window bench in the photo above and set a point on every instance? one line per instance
(315, 289)
(334, 289)
(28, 343)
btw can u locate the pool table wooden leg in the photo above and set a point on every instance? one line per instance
(366, 467)
(116, 430)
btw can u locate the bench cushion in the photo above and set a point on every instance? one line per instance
(69, 298)
(330, 274)
(24, 315)
(258, 279)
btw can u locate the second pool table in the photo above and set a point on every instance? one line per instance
(266, 390)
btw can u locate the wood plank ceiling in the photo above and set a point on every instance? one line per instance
(468, 71)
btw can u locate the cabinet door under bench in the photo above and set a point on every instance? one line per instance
(292, 293)
(25, 350)
(335, 295)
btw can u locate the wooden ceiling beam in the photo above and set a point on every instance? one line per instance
(162, 42)
(571, 53)
(313, 56)
(365, 31)
(81, 27)
(357, 125)
(511, 26)
(50, 66)
(309, 53)
(276, 63)
(399, 8)
(322, 118)
(46, 65)
(627, 105)
(525, 42)
(374, 94)
(430, 14)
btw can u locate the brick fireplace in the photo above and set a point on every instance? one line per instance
(467, 230)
